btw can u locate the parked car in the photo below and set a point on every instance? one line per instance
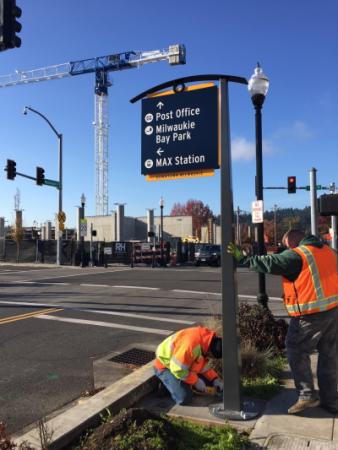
(208, 254)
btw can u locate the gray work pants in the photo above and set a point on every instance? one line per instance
(306, 334)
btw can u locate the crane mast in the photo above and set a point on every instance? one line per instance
(101, 66)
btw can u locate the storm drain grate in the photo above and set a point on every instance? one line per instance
(135, 357)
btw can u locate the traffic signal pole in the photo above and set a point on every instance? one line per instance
(314, 206)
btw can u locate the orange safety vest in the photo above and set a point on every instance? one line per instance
(183, 353)
(316, 288)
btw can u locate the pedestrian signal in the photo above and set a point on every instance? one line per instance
(292, 185)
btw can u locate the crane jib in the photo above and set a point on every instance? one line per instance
(100, 66)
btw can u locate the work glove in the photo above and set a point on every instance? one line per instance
(200, 385)
(218, 384)
(235, 251)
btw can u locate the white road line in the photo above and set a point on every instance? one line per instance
(100, 311)
(255, 296)
(107, 325)
(79, 274)
(41, 283)
(95, 285)
(219, 294)
(21, 271)
(139, 316)
(195, 292)
(137, 287)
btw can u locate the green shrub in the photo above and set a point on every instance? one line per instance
(260, 387)
(191, 436)
(259, 328)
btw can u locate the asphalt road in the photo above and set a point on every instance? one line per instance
(55, 322)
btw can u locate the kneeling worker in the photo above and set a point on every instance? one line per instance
(182, 362)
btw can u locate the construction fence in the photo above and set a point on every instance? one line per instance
(96, 253)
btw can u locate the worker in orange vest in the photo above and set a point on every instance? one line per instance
(182, 363)
(310, 283)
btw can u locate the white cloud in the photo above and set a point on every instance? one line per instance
(244, 150)
(298, 130)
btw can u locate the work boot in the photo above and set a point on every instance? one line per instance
(302, 404)
(331, 407)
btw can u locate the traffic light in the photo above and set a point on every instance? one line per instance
(11, 169)
(40, 176)
(9, 26)
(292, 185)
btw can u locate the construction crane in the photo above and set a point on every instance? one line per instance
(101, 66)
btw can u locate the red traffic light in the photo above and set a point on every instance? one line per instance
(292, 185)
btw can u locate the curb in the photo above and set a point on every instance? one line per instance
(69, 425)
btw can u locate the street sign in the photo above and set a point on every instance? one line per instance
(61, 216)
(83, 227)
(145, 247)
(51, 183)
(257, 211)
(180, 132)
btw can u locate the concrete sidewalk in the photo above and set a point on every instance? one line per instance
(315, 429)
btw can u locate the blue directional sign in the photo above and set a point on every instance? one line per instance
(180, 132)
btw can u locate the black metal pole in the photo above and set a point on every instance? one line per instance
(162, 256)
(258, 101)
(82, 215)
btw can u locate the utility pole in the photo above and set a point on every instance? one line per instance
(334, 222)
(314, 206)
(238, 230)
(275, 224)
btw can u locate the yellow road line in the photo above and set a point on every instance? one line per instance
(28, 315)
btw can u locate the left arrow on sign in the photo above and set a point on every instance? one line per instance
(159, 151)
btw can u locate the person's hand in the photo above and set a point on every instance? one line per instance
(218, 384)
(200, 385)
(235, 251)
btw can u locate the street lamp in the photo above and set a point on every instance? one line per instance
(275, 224)
(258, 86)
(59, 136)
(161, 203)
(82, 216)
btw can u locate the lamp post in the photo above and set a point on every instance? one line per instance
(275, 224)
(82, 216)
(59, 136)
(238, 227)
(161, 203)
(258, 86)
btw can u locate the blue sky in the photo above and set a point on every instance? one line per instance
(295, 42)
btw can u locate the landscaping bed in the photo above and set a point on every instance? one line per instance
(140, 429)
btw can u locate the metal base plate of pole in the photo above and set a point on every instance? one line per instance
(249, 410)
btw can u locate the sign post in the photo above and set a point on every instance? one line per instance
(232, 407)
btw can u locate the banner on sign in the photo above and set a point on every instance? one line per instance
(178, 175)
